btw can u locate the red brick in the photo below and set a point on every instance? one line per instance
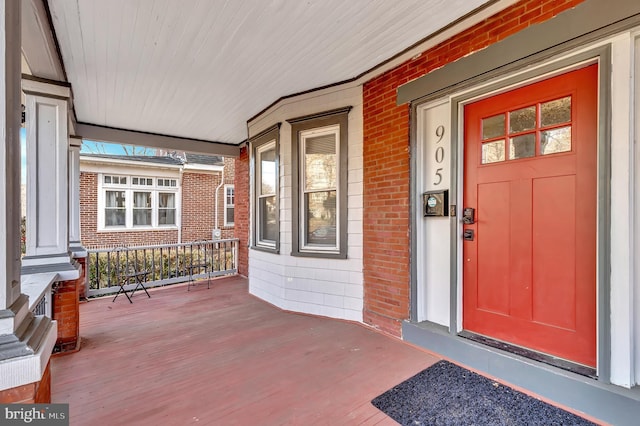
(241, 186)
(386, 159)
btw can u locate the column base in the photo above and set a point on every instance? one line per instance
(64, 265)
(39, 335)
(32, 393)
(77, 250)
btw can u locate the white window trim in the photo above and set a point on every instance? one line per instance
(270, 244)
(304, 135)
(226, 205)
(129, 189)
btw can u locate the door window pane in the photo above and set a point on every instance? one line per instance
(522, 146)
(142, 209)
(492, 152)
(522, 120)
(555, 112)
(492, 127)
(555, 140)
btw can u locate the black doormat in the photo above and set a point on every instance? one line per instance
(445, 394)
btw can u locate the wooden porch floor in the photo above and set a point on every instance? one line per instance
(222, 356)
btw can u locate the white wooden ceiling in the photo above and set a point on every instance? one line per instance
(201, 68)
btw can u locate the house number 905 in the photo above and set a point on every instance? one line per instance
(439, 154)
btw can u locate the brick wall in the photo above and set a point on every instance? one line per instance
(229, 179)
(89, 209)
(242, 210)
(386, 159)
(198, 201)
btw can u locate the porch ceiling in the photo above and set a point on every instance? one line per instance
(201, 69)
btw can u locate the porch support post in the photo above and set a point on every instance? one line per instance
(9, 161)
(77, 250)
(47, 242)
(26, 340)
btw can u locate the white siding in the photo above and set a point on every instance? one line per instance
(328, 287)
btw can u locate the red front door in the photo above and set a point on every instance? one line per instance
(530, 174)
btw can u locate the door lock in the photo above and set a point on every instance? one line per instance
(468, 216)
(468, 235)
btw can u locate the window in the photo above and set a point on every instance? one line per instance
(229, 205)
(115, 180)
(141, 209)
(142, 181)
(167, 182)
(128, 202)
(115, 210)
(540, 129)
(319, 184)
(266, 217)
(166, 208)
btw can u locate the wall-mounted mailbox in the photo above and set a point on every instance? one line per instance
(435, 203)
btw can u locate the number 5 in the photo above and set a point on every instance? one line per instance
(439, 175)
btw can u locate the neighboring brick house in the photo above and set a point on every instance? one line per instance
(148, 200)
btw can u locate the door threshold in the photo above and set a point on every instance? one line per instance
(573, 367)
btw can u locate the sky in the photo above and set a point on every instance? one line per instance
(93, 147)
(88, 147)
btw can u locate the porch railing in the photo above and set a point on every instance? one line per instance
(165, 264)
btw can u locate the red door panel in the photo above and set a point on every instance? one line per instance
(493, 255)
(530, 273)
(554, 252)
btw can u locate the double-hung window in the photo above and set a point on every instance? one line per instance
(166, 208)
(266, 222)
(229, 205)
(319, 189)
(136, 202)
(115, 212)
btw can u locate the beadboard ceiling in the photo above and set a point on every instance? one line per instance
(200, 69)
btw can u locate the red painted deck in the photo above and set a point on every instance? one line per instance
(222, 356)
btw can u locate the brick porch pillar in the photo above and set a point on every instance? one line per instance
(66, 311)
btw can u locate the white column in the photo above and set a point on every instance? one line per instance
(47, 242)
(9, 157)
(75, 245)
(24, 355)
(622, 215)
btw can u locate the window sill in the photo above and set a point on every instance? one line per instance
(273, 250)
(138, 229)
(320, 254)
